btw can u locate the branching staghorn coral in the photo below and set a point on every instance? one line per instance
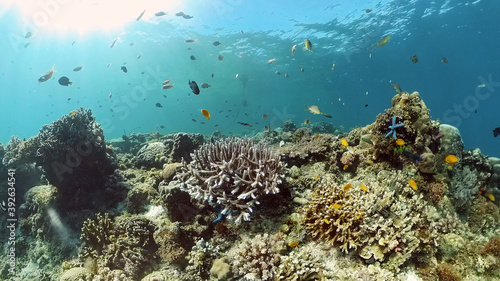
(232, 173)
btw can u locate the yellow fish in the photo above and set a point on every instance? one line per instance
(336, 206)
(347, 187)
(396, 87)
(412, 184)
(308, 45)
(451, 159)
(344, 143)
(400, 142)
(326, 221)
(205, 113)
(490, 196)
(307, 121)
(363, 187)
(47, 76)
(383, 41)
(345, 167)
(72, 113)
(293, 244)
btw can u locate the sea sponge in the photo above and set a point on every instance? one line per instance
(232, 173)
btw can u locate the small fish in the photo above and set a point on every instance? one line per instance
(78, 68)
(158, 104)
(336, 206)
(244, 124)
(396, 87)
(382, 42)
(277, 72)
(110, 95)
(444, 60)
(162, 127)
(286, 75)
(28, 35)
(205, 113)
(216, 43)
(140, 16)
(131, 44)
(159, 14)
(333, 67)
(265, 116)
(496, 132)
(451, 159)
(167, 86)
(194, 120)
(165, 82)
(220, 57)
(271, 60)
(72, 113)
(308, 45)
(139, 56)
(194, 87)
(187, 16)
(367, 11)
(212, 75)
(367, 140)
(490, 196)
(412, 184)
(180, 14)
(344, 143)
(293, 244)
(124, 68)
(414, 59)
(294, 47)
(27, 44)
(363, 187)
(64, 81)
(400, 142)
(307, 121)
(47, 76)
(204, 85)
(192, 57)
(366, 105)
(114, 42)
(326, 221)
(190, 40)
(302, 69)
(345, 167)
(481, 85)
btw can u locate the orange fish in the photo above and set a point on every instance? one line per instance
(412, 184)
(205, 113)
(451, 159)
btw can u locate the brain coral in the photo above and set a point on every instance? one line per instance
(232, 173)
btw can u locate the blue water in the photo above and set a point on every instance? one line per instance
(251, 33)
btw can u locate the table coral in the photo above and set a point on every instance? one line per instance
(233, 174)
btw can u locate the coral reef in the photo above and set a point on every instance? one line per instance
(233, 174)
(126, 244)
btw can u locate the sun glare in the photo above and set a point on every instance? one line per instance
(85, 16)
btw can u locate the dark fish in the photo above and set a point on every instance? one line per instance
(64, 81)
(131, 44)
(212, 75)
(114, 43)
(190, 40)
(180, 14)
(194, 87)
(244, 124)
(124, 69)
(414, 59)
(139, 56)
(162, 127)
(140, 16)
(28, 35)
(396, 87)
(496, 132)
(367, 11)
(216, 43)
(366, 105)
(189, 48)
(192, 57)
(27, 44)
(220, 57)
(194, 120)
(158, 104)
(187, 17)
(161, 13)
(78, 68)
(73, 43)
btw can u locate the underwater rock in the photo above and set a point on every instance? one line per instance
(169, 171)
(288, 126)
(183, 145)
(140, 197)
(150, 155)
(77, 274)
(177, 202)
(220, 269)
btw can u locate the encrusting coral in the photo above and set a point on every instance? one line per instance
(234, 174)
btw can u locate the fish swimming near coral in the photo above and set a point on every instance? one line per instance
(47, 76)
(396, 87)
(496, 132)
(315, 110)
